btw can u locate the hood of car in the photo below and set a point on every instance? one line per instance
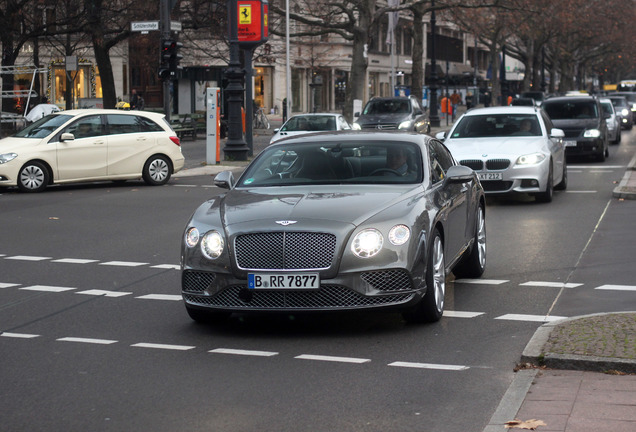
(382, 118)
(330, 204)
(13, 144)
(574, 124)
(492, 147)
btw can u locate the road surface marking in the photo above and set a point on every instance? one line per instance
(461, 314)
(28, 258)
(429, 366)
(332, 358)
(163, 346)
(97, 292)
(19, 335)
(46, 288)
(617, 287)
(482, 281)
(87, 340)
(243, 352)
(532, 318)
(74, 261)
(160, 297)
(123, 263)
(167, 266)
(551, 284)
(7, 285)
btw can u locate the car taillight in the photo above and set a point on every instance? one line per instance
(176, 140)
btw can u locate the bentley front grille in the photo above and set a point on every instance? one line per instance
(285, 250)
(328, 297)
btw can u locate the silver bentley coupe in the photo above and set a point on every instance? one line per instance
(336, 221)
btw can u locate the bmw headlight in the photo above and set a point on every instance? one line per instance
(192, 237)
(356, 126)
(212, 244)
(531, 159)
(4, 158)
(592, 133)
(399, 234)
(408, 124)
(367, 243)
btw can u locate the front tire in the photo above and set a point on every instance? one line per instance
(33, 177)
(431, 307)
(157, 171)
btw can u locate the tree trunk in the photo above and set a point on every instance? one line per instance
(417, 77)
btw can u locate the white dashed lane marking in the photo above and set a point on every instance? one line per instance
(19, 335)
(170, 297)
(526, 318)
(617, 287)
(243, 352)
(482, 281)
(163, 346)
(87, 340)
(28, 258)
(7, 285)
(429, 366)
(123, 263)
(74, 261)
(97, 292)
(332, 358)
(47, 288)
(551, 284)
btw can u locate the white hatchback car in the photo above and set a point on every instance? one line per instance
(512, 149)
(307, 123)
(91, 145)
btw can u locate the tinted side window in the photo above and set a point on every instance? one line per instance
(548, 123)
(440, 159)
(125, 124)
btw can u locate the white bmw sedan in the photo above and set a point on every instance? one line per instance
(513, 149)
(90, 145)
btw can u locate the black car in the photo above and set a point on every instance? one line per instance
(623, 110)
(631, 99)
(393, 113)
(582, 120)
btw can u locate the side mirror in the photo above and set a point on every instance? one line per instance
(459, 174)
(441, 136)
(67, 137)
(557, 133)
(224, 180)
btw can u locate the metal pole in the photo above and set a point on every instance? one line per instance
(288, 93)
(165, 35)
(434, 115)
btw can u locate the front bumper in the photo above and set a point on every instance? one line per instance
(584, 147)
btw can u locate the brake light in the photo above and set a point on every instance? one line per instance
(176, 140)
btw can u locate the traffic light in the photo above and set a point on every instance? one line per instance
(170, 58)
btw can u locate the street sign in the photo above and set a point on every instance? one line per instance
(176, 26)
(144, 26)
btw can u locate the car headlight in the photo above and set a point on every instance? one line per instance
(399, 234)
(367, 243)
(192, 237)
(356, 126)
(212, 244)
(408, 124)
(592, 133)
(4, 158)
(624, 112)
(531, 159)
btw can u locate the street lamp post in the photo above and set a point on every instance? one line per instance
(433, 115)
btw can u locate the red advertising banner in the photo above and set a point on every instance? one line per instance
(250, 21)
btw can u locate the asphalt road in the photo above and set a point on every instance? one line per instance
(95, 337)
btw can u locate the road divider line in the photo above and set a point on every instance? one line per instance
(28, 258)
(163, 346)
(429, 366)
(332, 358)
(123, 263)
(7, 285)
(87, 340)
(461, 314)
(617, 287)
(46, 288)
(243, 352)
(18, 335)
(167, 266)
(551, 284)
(530, 318)
(97, 292)
(482, 281)
(170, 297)
(74, 261)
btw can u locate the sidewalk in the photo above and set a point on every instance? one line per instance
(590, 384)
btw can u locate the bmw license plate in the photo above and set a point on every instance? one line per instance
(569, 143)
(291, 281)
(490, 176)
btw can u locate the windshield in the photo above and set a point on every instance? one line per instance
(310, 123)
(387, 106)
(571, 110)
(44, 127)
(619, 102)
(497, 125)
(391, 162)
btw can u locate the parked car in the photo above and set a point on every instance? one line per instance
(613, 123)
(623, 110)
(581, 119)
(537, 96)
(336, 222)
(393, 113)
(513, 150)
(90, 145)
(307, 123)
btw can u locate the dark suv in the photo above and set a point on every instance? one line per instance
(393, 113)
(582, 120)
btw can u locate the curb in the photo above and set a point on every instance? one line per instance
(626, 189)
(535, 355)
